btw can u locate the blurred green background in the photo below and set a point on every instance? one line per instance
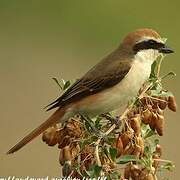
(64, 38)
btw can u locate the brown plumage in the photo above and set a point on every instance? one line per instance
(102, 84)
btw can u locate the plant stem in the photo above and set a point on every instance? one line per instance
(159, 66)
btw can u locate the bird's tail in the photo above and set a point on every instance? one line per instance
(53, 119)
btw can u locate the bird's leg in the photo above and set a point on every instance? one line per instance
(117, 121)
(114, 120)
(115, 124)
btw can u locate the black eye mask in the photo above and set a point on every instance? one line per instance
(148, 44)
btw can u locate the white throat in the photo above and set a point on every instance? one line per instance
(147, 55)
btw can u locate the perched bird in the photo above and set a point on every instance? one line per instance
(109, 84)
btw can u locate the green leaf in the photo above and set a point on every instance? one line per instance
(155, 93)
(82, 143)
(89, 124)
(168, 166)
(114, 175)
(88, 173)
(157, 87)
(147, 150)
(149, 133)
(94, 138)
(57, 82)
(156, 142)
(167, 94)
(171, 73)
(164, 39)
(150, 147)
(77, 168)
(98, 125)
(127, 158)
(94, 171)
(113, 153)
(66, 85)
(97, 170)
(110, 140)
(153, 70)
(105, 150)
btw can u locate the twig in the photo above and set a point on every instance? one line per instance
(156, 99)
(97, 155)
(162, 160)
(87, 157)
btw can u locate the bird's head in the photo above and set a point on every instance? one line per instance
(145, 44)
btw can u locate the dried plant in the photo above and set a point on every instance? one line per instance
(124, 147)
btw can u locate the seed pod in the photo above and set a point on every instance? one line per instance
(130, 114)
(112, 165)
(172, 103)
(119, 146)
(88, 151)
(149, 107)
(159, 111)
(163, 104)
(76, 175)
(153, 170)
(137, 146)
(75, 149)
(127, 172)
(143, 100)
(104, 159)
(146, 175)
(141, 144)
(74, 128)
(135, 171)
(154, 102)
(135, 124)
(136, 111)
(152, 124)
(137, 151)
(129, 149)
(65, 155)
(159, 124)
(51, 136)
(150, 177)
(64, 141)
(126, 138)
(155, 162)
(146, 117)
(159, 150)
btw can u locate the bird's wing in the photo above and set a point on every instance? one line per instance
(95, 80)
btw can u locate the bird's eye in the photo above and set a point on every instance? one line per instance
(151, 41)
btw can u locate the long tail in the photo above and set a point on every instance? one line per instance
(53, 119)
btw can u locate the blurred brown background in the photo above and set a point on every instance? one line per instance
(41, 39)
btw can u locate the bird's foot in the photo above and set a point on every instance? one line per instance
(117, 121)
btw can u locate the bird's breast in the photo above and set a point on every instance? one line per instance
(112, 98)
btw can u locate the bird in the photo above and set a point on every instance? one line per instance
(108, 85)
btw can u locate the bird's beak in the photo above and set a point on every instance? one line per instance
(165, 50)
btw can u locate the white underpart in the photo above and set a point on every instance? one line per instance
(124, 91)
(113, 98)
